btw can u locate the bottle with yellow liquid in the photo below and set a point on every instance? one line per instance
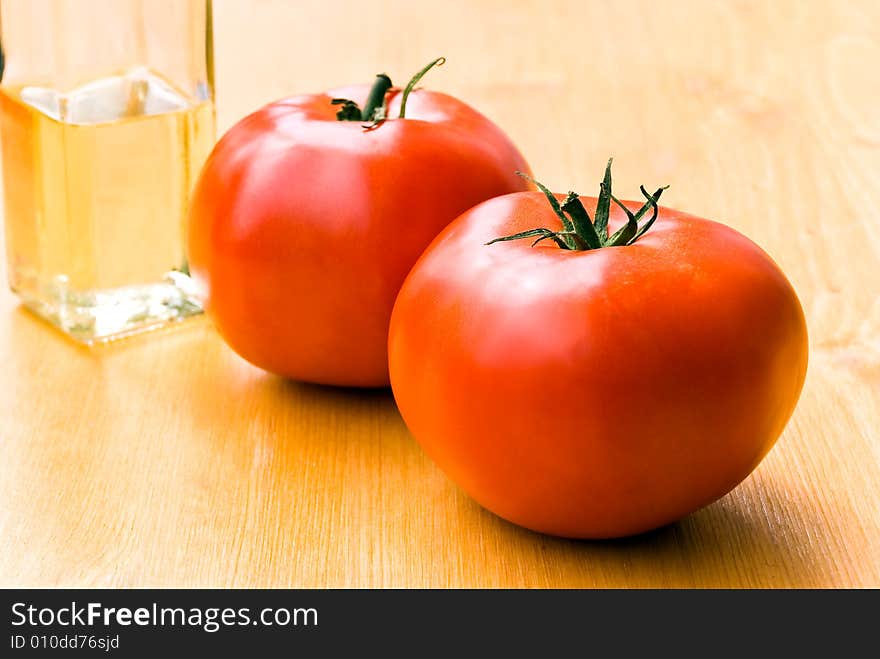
(106, 117)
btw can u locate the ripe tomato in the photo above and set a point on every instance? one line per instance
(602, 392)
(304, 226)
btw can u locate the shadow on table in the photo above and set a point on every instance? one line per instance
(327, 402)
(322, 393)
(287, 436)
(290, 417)
(734, 543)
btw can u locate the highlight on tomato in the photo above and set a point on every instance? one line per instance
(591, 367)
(310, 212)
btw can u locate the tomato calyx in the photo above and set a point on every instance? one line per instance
(375, 109)
(579, 231)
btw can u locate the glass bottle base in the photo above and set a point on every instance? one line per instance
(93, 317)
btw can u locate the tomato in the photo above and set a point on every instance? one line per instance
(595, 393)
(304, 226)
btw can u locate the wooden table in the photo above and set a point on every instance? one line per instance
(169, 461)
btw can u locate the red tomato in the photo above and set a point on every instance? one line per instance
(595, 393)
(303, 227)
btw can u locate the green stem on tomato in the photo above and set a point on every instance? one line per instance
(579, 232)
(376, 100)
(440, 61)
(375, 108)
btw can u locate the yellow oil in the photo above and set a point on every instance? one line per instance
(96, 186)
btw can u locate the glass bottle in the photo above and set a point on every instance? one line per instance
(106, 117)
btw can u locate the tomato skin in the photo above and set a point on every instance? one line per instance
(595, 394)
(302, 227)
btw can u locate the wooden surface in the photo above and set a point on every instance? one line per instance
(168, 461)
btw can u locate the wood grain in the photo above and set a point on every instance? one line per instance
(168, 461)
